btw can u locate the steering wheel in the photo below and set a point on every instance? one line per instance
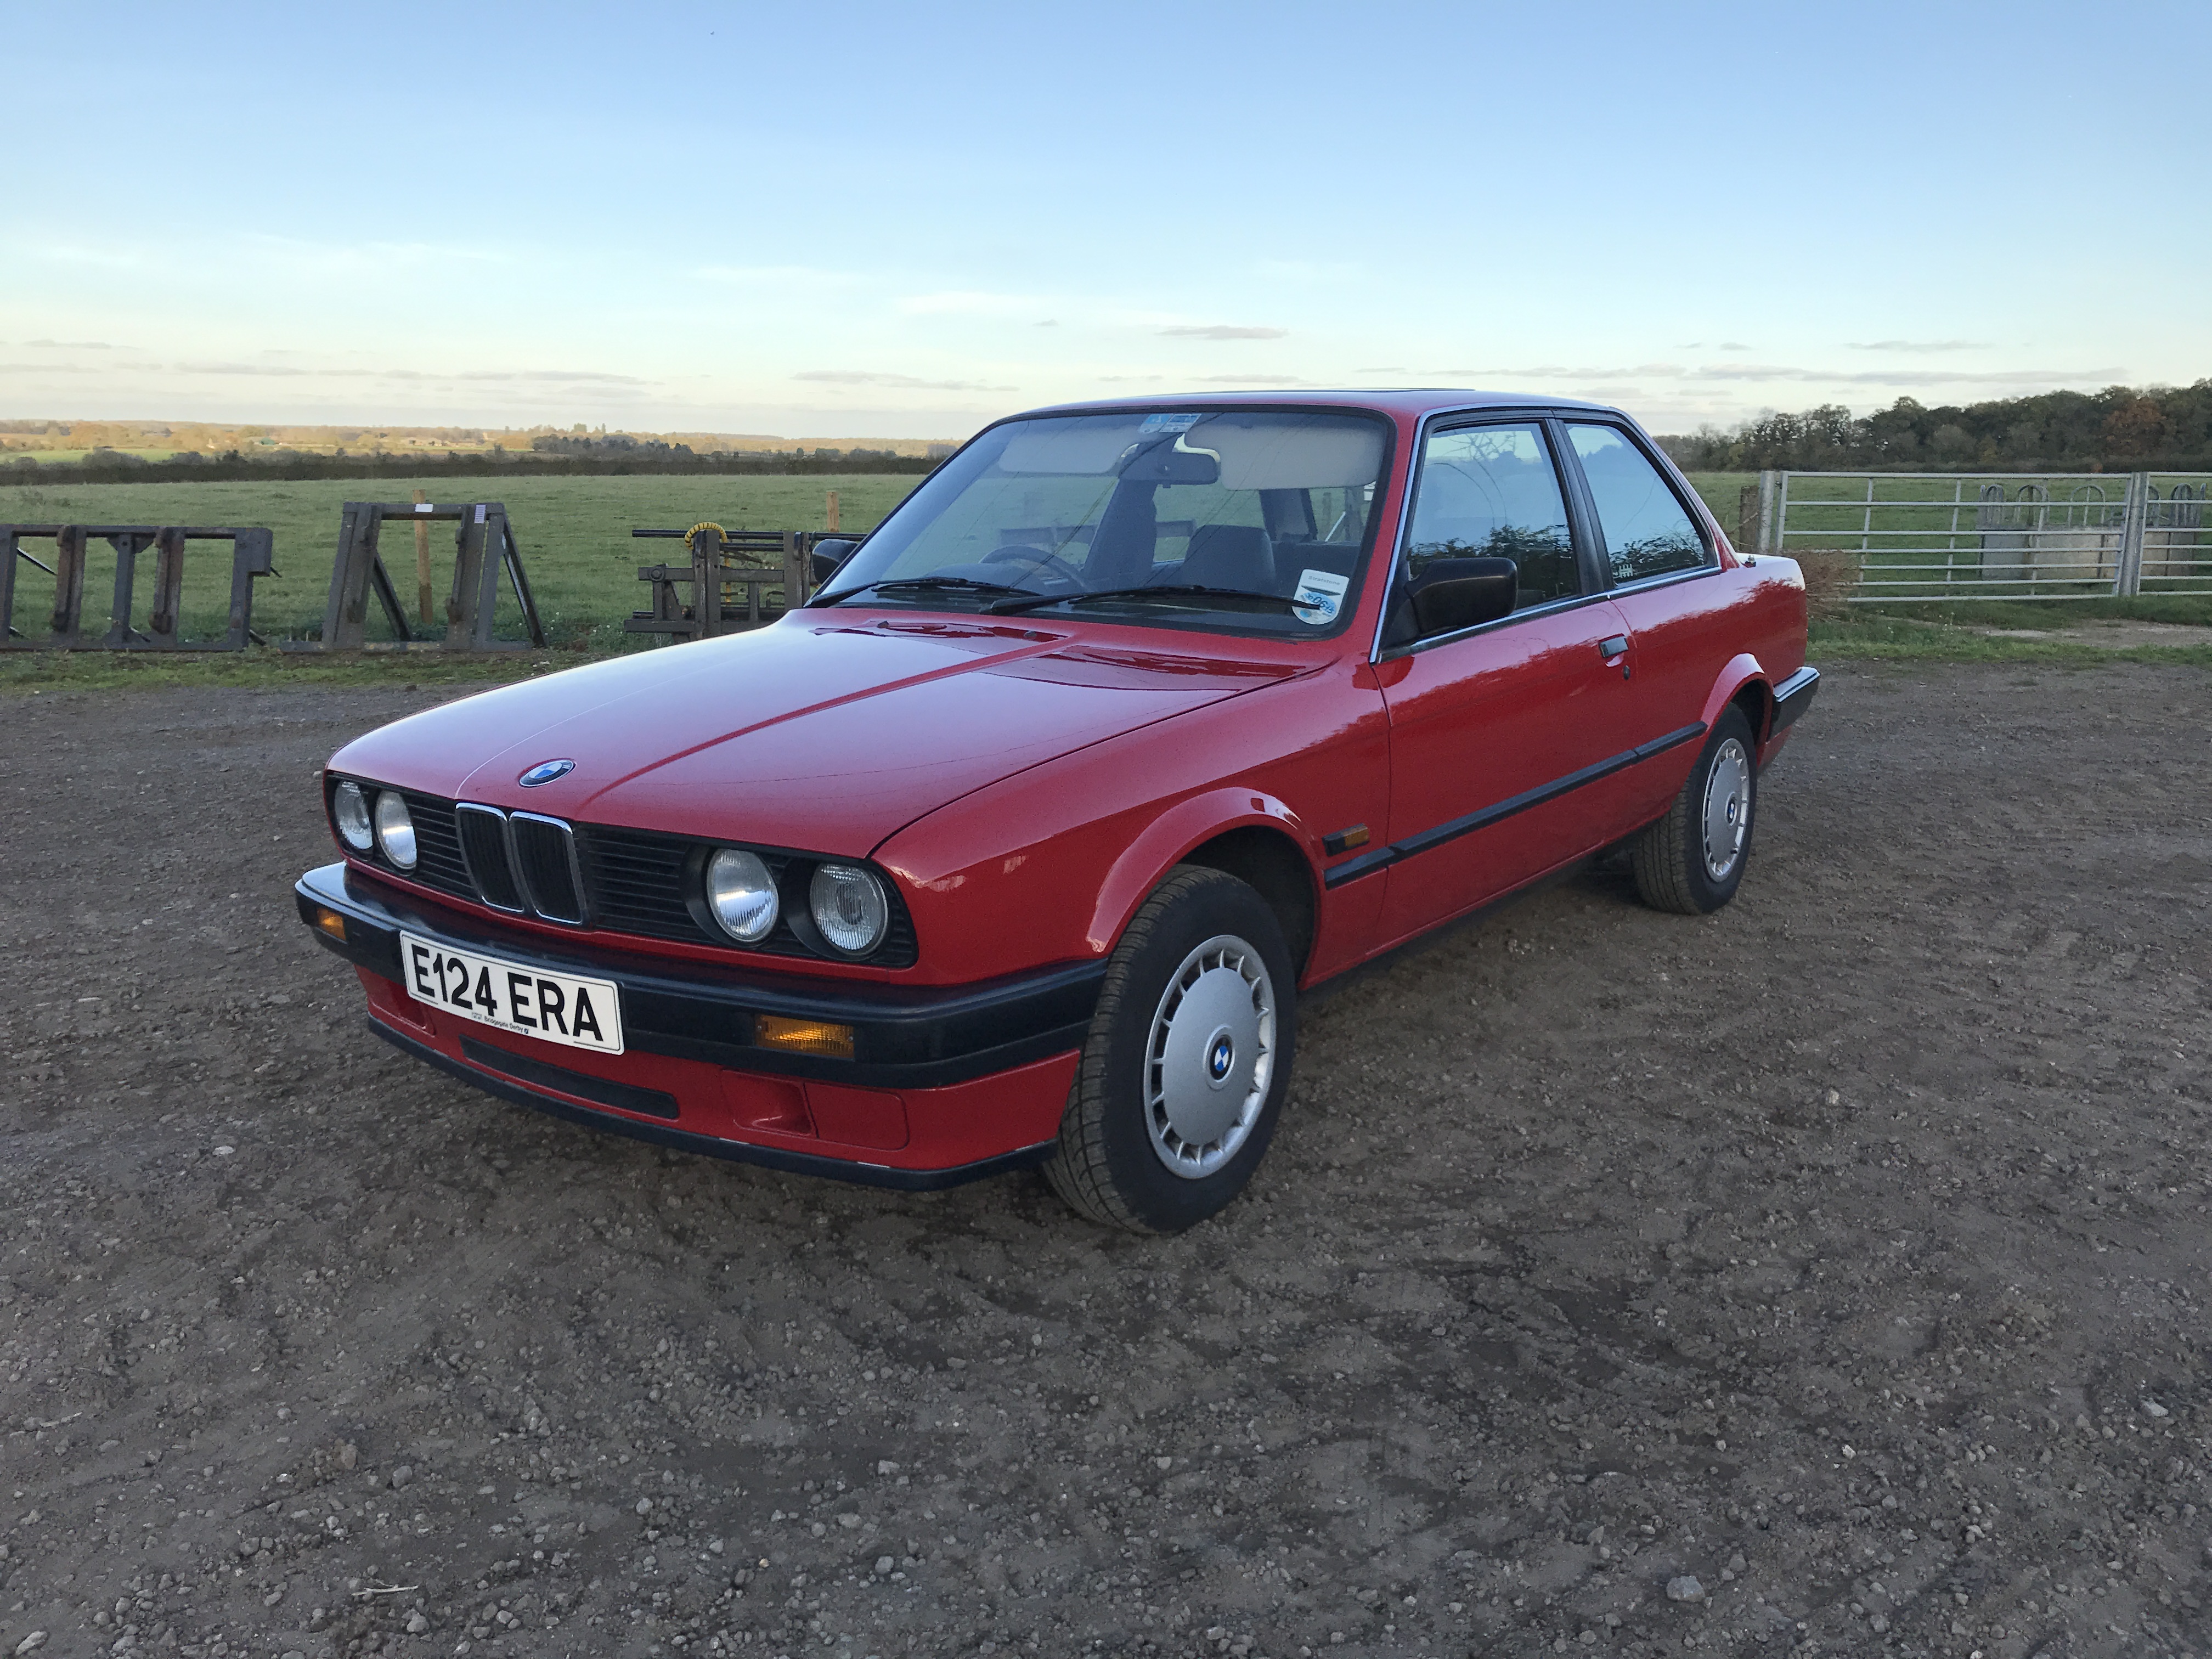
(1038, 560)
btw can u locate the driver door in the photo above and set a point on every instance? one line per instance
(1501, 735)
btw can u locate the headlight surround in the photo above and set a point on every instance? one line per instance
(349, 810)
(850, 909)
(741, 895)
(395, 830)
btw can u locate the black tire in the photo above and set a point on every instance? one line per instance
(1111, 1165)
(1674, 871)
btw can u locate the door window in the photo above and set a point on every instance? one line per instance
(1647, 531)
(1492, 492)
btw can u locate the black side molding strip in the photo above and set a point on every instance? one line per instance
(1793, 697)
(771, 1157)
(1352, 869)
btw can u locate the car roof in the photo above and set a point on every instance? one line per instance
(1404, 401)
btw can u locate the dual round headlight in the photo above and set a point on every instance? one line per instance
(847, 903)
(741, 894)
(850, 908)
(384, 823)
(349, 808)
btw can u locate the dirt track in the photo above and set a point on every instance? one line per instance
(1846, 1250)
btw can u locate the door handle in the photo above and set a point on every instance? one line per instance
(1615, 646)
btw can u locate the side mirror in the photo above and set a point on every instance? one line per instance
(828, 555)
(1455, 593)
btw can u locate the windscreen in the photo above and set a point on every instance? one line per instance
(1239, 521)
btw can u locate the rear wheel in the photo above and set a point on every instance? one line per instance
(1692, 861)
(1187, 1062)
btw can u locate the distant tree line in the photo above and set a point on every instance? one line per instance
(2119, 430)
(612, 455)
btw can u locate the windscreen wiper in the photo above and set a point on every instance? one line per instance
(1031, 602)
(917, 584)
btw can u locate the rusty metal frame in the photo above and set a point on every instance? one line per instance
(252, 552)
(471, 607)
(713, 568)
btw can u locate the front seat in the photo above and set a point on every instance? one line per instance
(1231, 555)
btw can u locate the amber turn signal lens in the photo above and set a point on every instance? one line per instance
(803, 1037)
(330, 922)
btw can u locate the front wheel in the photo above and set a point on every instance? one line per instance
(1187, 1062)
(1692, 861)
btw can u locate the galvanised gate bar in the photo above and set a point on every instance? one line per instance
(1923, 536)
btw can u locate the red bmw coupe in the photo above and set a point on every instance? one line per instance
(1017, 842)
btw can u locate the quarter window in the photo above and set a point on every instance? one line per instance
(1647, 533)
(1491, 492)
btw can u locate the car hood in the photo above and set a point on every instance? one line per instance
(819, 735)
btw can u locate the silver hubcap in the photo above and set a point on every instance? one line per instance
(1728, 809)
(1211, 1056)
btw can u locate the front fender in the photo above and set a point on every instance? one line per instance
(1162, 844)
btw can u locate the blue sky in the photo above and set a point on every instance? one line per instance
(855, 219)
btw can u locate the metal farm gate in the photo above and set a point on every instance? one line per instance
(1930, 536)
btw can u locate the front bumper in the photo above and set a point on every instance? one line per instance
(945, 1085)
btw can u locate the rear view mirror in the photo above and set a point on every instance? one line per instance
(1451, 594)
(1162, 462)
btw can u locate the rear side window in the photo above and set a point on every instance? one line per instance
(1491, 492)
(1647, 531)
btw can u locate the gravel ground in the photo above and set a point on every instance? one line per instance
(1828, 1275)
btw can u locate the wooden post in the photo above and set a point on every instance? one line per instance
(422, 560)
(169, 584)
(832, 523)
(69, 585)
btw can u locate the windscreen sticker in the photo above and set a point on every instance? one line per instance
(1155, 424)
(1320, 596)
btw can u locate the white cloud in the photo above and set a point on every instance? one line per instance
(875, 377)
(1917, 345)
(975, 302)
(779, 276)
(1757, 373)
(1224, 332)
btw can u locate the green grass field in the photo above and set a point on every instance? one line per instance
(573, 531)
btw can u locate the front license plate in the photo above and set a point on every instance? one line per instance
(581, 1013)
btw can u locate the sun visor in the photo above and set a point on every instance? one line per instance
(1274, 454)
(1086, 445)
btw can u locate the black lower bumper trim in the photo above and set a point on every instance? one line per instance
(624, 1097)
(518, 1093)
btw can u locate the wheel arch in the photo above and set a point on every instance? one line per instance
(1743, 684)
(1266, 859)
(1242, 833)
